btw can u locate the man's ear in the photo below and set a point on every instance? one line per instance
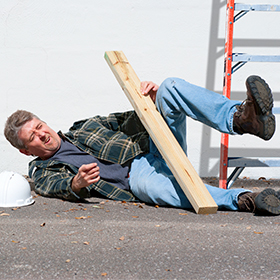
(25, 152)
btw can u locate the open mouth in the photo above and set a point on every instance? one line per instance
(48, 140)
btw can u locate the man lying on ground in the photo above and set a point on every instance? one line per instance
(114, 157)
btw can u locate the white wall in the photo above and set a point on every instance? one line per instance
(51, 63)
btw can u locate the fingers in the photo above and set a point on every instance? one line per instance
(90, 172)
(93, 180)
(89, 168)
(148, 86)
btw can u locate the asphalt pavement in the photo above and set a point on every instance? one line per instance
(104, 239)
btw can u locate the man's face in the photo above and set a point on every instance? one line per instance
(39, 139)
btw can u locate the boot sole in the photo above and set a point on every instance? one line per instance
(261, 93)
(268, 201)
(268, 126)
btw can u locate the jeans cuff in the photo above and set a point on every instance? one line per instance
(231, 122)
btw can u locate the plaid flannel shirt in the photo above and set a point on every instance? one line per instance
(118, 138)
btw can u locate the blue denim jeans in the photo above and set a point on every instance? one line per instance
(150, 178)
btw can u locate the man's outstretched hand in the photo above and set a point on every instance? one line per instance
(149, 88)
(88, 174)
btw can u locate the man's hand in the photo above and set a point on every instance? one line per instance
(88, 174)
(149, 88)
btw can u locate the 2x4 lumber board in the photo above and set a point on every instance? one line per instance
(162, 136)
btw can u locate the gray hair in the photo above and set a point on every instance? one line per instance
(14, 124)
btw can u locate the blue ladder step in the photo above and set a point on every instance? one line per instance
(257, 7)
(240, 163)
(253, 162)
(255, 58)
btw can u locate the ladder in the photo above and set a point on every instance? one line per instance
(239, 59)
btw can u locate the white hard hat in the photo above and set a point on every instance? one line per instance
(14, 190)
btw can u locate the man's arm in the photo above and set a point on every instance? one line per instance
(56, 181)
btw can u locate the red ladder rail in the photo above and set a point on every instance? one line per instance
(226, 90)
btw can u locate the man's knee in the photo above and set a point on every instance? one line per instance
(167, 84)
(165, 88)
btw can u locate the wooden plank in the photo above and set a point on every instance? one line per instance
(162, 136)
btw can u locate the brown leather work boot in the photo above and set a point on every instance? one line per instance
(265, 202)
(254, 115)
(246, 202)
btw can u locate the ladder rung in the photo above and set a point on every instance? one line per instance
(253, 162)
(255, 58)
(256, 7)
